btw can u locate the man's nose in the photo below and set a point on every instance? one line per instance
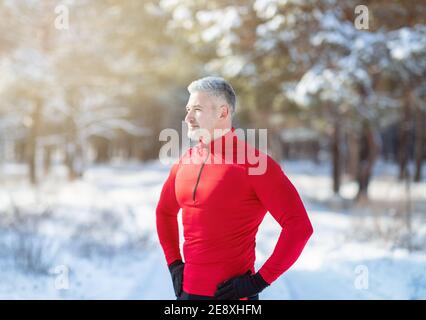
(189, 117)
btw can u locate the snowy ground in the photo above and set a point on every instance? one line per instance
(95, 238)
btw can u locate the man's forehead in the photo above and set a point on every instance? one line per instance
(201, 98)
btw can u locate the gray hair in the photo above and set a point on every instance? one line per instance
(216, 86)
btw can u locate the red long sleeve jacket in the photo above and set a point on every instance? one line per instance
(222, 206)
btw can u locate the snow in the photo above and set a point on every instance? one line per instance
(32, 65)
(101, 231)
(326, 85)
(328, 271)
(218, 24)
(354, 54)
(407, 43)
(265, 8)
(181, 13)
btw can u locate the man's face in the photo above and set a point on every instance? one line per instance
(202, 114)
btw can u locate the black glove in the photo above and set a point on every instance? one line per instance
(243, 286)
(176, 270)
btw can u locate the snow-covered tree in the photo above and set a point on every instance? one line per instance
(282, 53)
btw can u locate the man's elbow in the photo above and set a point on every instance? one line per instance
(305, 229)
(308, 230)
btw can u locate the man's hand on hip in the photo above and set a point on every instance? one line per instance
(243, 286)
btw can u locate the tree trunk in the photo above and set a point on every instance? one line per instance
(404, 138)
(32, 140)
(419, 143)
(47, 160)
(74, 144)
(335, 149)
(353, 155)
(69, 160)
(102, 150)
(71, 149)
(369, 149)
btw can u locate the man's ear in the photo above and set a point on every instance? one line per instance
(224, 111)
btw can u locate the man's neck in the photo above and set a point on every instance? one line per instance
(217, 133)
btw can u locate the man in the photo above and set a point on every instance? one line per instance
(223, 203)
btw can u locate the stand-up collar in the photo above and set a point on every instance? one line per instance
(218, 142)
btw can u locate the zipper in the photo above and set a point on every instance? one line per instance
(199, 175)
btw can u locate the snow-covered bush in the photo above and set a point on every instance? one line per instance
(23, 244)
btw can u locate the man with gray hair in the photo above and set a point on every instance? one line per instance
(223, 205)
(210, 108)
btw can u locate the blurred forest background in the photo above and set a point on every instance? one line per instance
(100, 90)
(105, 87)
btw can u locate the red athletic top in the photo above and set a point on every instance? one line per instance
(223, 203)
